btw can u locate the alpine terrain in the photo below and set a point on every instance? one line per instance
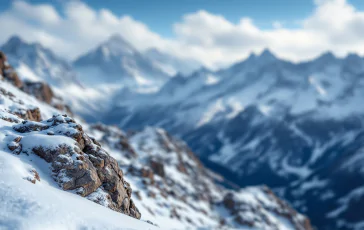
(58, 171)
(299, 123)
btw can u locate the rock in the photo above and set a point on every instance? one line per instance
(83, 167)
(34, 176)
(241, 208)
(15, 146)
(29, 126)
(8, 72)
(39, 90)
(114, 133)
(157, 167)
(29, 114)
(147, 173)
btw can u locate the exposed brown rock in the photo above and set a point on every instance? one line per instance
(34, 177)
(15, 146)
(122, 142)
(157, 167)
(238, 208)
(39, 90)
(147, 173)
(85, 167)
(8, 72)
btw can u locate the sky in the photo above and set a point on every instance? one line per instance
(215, 32)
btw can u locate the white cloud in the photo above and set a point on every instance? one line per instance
(333, 25)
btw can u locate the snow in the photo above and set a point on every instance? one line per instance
(26, 73)
(212, 112)
(51, 142)
(345, 201)
(45, 206)
(317, 86)
(211, 80)
(302, 172)
(312, 184)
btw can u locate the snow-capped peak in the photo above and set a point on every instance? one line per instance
(326, 57)
(117, 45)
(117, 62)
(266, 56)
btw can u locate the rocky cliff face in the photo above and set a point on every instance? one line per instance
(78, 162)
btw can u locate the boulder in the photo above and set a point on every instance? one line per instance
(157, 167)
(39, 90)
(8, 72)
(83, 166)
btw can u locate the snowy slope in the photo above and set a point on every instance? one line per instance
(170, 64)
(174, 188)
(45, 206)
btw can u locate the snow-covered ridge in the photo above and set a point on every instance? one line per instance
(179, 189)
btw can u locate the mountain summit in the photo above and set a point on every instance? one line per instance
(116, 61)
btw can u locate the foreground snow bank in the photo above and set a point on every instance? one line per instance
(44, 205)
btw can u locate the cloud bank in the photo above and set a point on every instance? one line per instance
(333, 25)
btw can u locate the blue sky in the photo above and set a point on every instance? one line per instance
(160, 15)
(215, 32)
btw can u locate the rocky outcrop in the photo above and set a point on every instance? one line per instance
(157, 167)
(29, 114)
(8, 72)
(40, 90)
(171, 175)
(78, 161)
(250, 208)
(20, 110)
(116, 138)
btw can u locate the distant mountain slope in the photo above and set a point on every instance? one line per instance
(271, 121)
(171, 64)
(118, 62)
(37, 63)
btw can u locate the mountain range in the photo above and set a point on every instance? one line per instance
(296, 127)
(60, 172)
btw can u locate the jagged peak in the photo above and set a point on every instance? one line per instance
(116, 43)
(353, 56)
(15, 42)
(15, 39)
(326, 56)
(267, 55)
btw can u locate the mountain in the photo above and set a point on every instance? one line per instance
(296, 127)
(58, 172)
(115, 61)
(171, 64)
(34, 62)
